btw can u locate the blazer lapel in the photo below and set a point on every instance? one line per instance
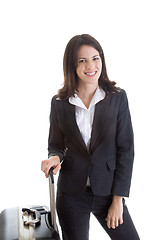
(99, 121)
(72, 127)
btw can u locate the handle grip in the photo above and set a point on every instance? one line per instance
(51, 174)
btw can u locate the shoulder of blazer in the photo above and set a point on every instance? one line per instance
(57, 103)
(123, 96)
(121, 92)
(118, 97)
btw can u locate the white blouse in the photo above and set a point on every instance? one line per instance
(84, 116)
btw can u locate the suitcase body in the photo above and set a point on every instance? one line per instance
(30, 223)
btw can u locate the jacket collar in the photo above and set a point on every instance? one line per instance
(98, 96)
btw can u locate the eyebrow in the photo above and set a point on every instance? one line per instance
(92, 57)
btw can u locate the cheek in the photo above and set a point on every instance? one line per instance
(79, 70)
(100, 67)
(100, 64)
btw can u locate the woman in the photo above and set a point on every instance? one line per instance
(91, 143)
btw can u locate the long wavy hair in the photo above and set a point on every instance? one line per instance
(70, 64)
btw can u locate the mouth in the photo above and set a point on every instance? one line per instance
(90, 73)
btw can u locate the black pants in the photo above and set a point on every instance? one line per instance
(74, 215)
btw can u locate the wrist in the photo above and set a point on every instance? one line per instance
(117, 198)
(54, 157)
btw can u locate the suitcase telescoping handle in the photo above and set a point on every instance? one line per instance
(52, 199)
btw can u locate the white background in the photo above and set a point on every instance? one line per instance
(33, 36)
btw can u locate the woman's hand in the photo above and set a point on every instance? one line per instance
(54, 162)
(115, 213)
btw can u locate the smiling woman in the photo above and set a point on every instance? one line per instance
(91, 143)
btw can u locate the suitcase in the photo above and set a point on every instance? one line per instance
(31, 222)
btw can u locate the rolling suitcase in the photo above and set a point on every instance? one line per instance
(34, 222)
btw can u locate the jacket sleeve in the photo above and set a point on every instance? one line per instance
(55, 139)
(125, 150)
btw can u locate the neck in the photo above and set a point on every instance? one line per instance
(86, 93)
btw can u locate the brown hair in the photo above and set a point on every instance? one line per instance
(70, 64)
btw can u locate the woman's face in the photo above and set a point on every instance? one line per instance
(89, 65)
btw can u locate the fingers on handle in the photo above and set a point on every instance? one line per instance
(47, 164)
(56, 169)
(43, 165)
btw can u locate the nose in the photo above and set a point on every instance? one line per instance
(89, 65)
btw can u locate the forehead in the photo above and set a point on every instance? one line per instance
(87, 51)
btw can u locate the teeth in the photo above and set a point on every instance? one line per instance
(90, 74)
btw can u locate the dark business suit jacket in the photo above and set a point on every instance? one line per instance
(109, 160)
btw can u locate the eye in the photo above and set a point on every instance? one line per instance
(95, 58)
(82, 60)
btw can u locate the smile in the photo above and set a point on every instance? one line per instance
(90, 73)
